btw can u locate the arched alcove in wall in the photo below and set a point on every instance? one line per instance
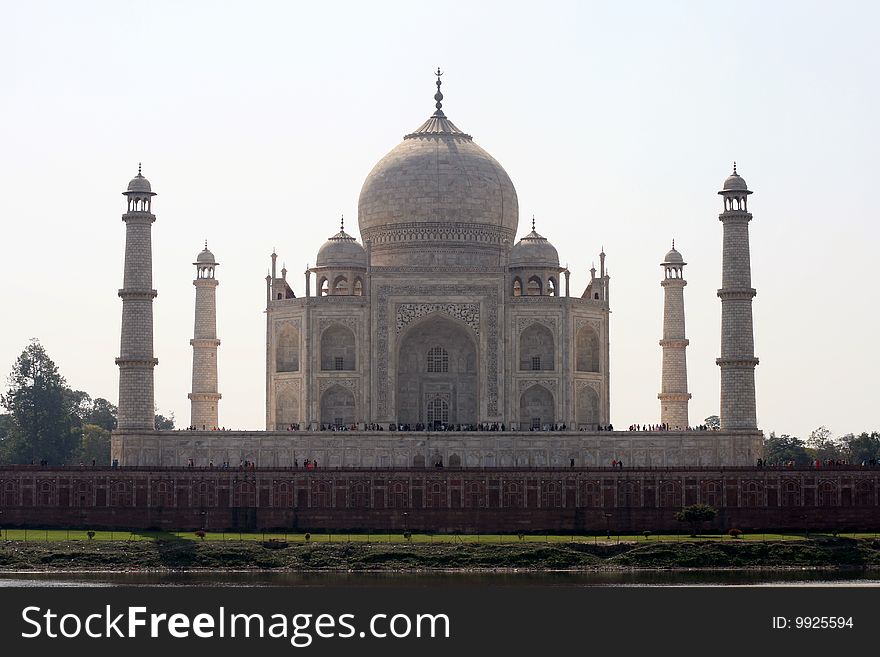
(338, 406)
(286, 409)
(537, 408)
(338, 348)
(587, 403)
(437, 371)
(536, 348)
(587, 349)
(287, 350)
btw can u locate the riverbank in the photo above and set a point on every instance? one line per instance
(185, 555)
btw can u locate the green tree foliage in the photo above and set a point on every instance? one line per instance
(164, 423)
(102, 413)
(823, 446)
(695, 515)
(779, 449)
(861, 448)
(42, 410)
(95, 445)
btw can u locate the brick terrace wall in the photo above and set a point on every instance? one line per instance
(441, 499)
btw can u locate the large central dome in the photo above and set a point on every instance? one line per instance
(437, 199)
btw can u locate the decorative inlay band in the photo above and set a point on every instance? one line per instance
(469, 313)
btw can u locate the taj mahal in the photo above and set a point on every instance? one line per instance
(438, 339)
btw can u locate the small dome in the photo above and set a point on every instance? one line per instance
(140, 184)
(673, 257)
(535, 251)
(341, 251)
(206, 257)
(735, 182)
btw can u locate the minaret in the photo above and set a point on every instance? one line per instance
(674, 393)
(136, 362)
(204, 395)
(737, 360)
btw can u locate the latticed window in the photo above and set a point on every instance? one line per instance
(338, 363)
(536, 362)
(536, 423)
(438, 412)
(438, 359)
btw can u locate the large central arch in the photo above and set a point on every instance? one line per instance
(437, 368)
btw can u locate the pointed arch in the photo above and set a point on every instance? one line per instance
(587, 349)
(517, 288)
(534, 286)
(537, 348)
(287, 349)
(338, 348)
(340, 286)
(286, 409)
(537, 408)
(338, 406)
(587, 404)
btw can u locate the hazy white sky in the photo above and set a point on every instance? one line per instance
(257, 122)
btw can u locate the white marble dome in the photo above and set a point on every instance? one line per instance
(673, 257)
(534, 251)
(735, 183)
(206, 257)
(140, 184)
(341, 252)
(438, 199)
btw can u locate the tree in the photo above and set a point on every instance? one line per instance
(861, 448)
(713, 422)
(779, 449)
(823, 446)
(695, 515)
(41, 407)
(164, 423)
(102, 413)
(95, 445)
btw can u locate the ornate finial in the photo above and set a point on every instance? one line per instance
(139, 169)
(206, 245)
(342, 223)
(438, 96)
(734, 168)
(673, 244)
(533, 223)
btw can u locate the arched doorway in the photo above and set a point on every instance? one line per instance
(536, 408)
(338, 406)
(437, 373)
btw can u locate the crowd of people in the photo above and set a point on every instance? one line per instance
(667, 427)
(817, 464)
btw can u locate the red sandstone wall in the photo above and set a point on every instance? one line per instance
(496, 500)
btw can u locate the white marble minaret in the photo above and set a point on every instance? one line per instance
(204, 395)
(737, 360)
(136, 362)
(674, 393)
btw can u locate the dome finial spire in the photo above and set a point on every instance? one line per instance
(533, 223)
(438, 96)
(342, 223)
(673, 244)
(139, 169)
(734, 168)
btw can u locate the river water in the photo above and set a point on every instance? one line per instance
(640, 578)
